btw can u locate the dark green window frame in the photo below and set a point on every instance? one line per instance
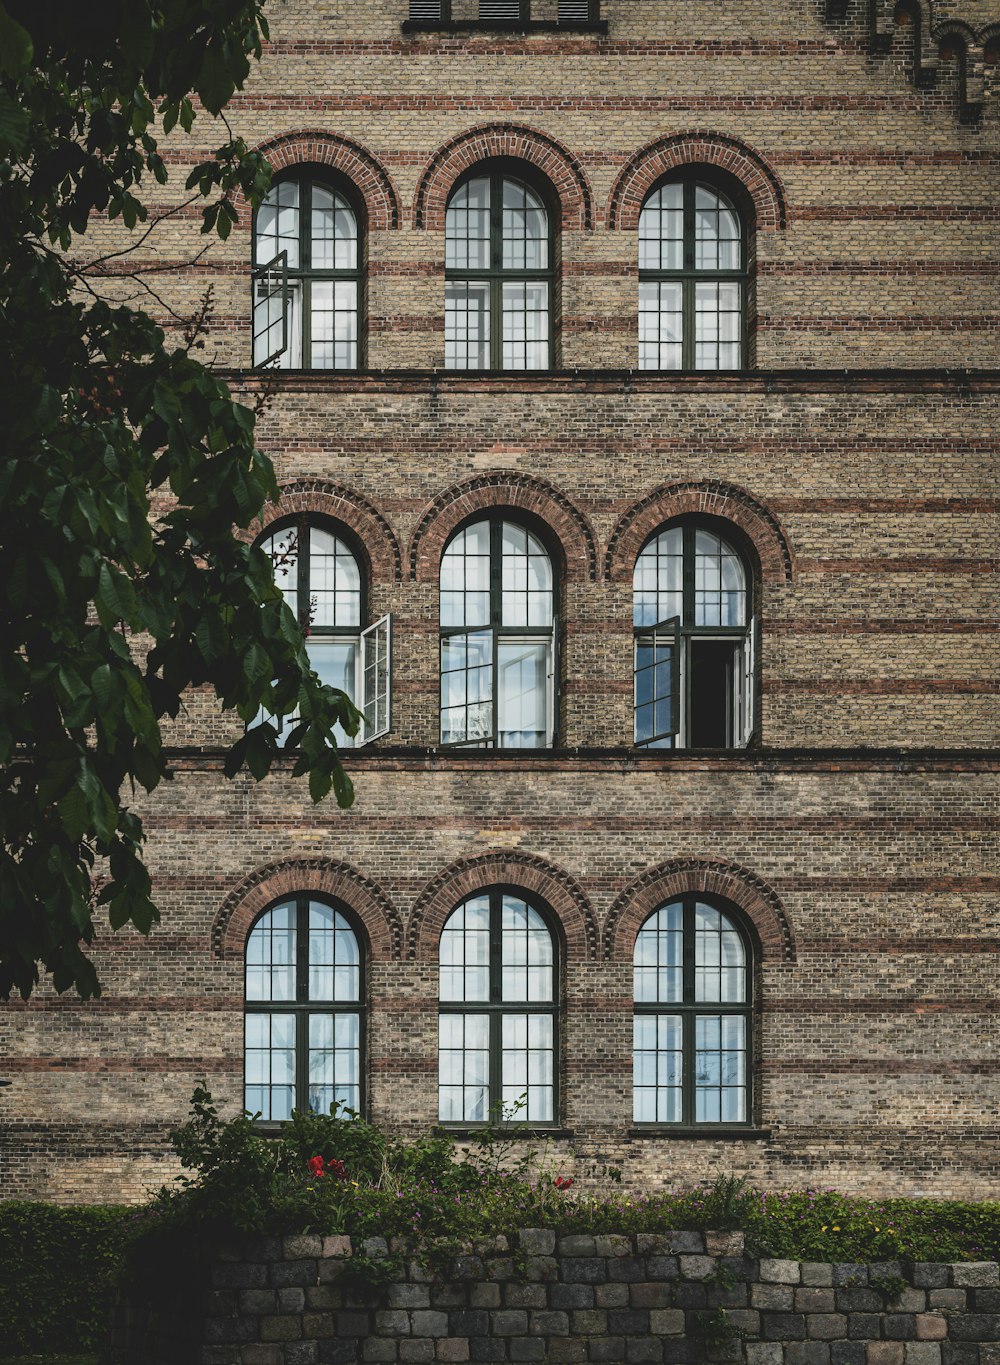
(689, 1009)
(302, 1007)
(496, 1007)
(690, 277)
(500, 632)
(281, 275)
(496, 276)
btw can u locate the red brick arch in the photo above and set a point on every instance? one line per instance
(733, 883)
(511, 141)
(698, 148)
(517, 871)
(706, 498)
(360, 894)
(490, 492)
(355, 162)
(316, 496)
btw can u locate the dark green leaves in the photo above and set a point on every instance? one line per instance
(109, 617)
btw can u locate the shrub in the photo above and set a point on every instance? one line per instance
(57, 1267)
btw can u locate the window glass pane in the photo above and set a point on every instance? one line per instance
(719, 583)
(719, 957)
(334, 232)
(720, 1069)
(278, 223)
(334, 960)
(525, 325)
(335, 660)
(524, 229)
(334, 1061)
(526, 579)
(658, 579)
(282, 547)
(334, 581)
(467, 687)
(526, 953)
(658, 958)
(660, 325)
(269, 1065)
(522, 693)
(466, 325)
(527, 1070)
(270, 970)
(467, 227)
(661, 230)
(465, 578)
(334, 324)
(465, 952)
(657, 1068)
(463, 1068)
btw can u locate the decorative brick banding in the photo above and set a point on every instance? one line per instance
(493, 492)
(364, 171)
(503, 141)
(708, 498)
(699, 147)
(753, 896)
(255, 893)
(514, 871)
(318, 498)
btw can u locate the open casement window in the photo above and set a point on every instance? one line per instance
(497, 1021)
(306, 278)
(304, 1013)
(694, 642)
(498, 276)
(691, 1027)
(657, 682)
(322, 582)
(498, 627)
(692, 280)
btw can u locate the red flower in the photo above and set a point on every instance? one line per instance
(337, 1168)
(315, 1164)
(563, 1182)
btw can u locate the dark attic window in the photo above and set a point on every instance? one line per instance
(504, 14)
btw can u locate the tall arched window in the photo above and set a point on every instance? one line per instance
(307, 277)
(498, 1011)
(321, 579)
(498, 276)
(498, 632)
(694, 641)
(691, 1043)
(692, 280)
(304, 993)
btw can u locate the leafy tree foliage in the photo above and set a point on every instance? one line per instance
(108, 614)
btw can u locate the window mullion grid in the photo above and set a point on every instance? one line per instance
(304, 553)
(302, 1003)
(496, 1005)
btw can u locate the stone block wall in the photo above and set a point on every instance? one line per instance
(652, 1299)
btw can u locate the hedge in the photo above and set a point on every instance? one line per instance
(56, 1271)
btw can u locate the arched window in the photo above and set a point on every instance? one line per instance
(692, 601)
(498, 1011)
(498, 632)
(322, 582)
(498, 276)
(692, 280)
(307, 277)
(304, 1011)
(691, 1028)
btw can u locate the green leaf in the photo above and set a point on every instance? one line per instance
(16, 48)
(14, 124)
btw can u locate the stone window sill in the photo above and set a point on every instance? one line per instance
(720, 1134)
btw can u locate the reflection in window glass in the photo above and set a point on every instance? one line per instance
(497, 955)
(497, 625)
(303, 955)
(692, 280)
(689, 1061)
(497, 288)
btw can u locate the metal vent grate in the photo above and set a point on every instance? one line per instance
(576, 11)
(501, 11)
(427, 11)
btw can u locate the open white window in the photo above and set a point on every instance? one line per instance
(694, 641)
(323, 584)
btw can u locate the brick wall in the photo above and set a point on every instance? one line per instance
(856, 459)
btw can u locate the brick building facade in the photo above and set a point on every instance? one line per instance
(837, 805)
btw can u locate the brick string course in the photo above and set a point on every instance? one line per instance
(648, 1299)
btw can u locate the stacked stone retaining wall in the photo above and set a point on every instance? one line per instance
(677, 1298)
